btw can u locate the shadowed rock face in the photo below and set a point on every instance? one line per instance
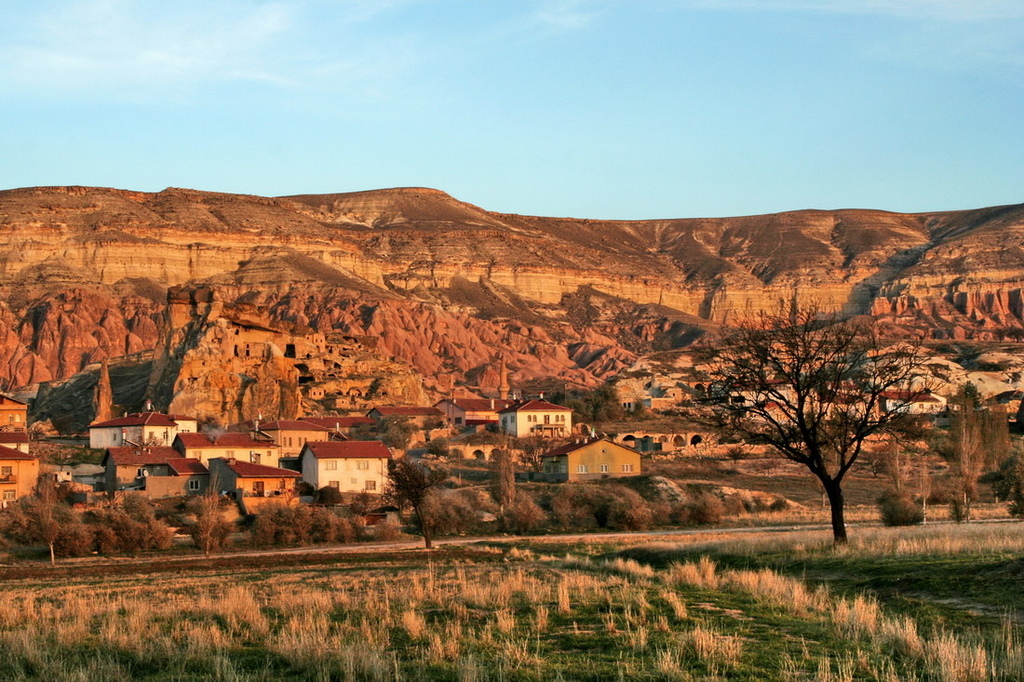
(447, 287)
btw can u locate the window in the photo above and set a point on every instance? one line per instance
(9, 495)
(331, 465)
(627, 468)
(193, 484)
(254, 457)
(363, 464)
(604, 468)
(581, 468)
(334, 484)
(6, 471)
(371, 485)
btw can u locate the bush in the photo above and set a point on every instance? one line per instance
(280, 524)
(524, 515)
(899, 509)
(581, 505)
(438, 447)
(450, 513)
(209, 530)
(627, 510)
(32, 520)
(128, 526)
(703, 510)
(328, 495)
(575, 505)
(387, 531)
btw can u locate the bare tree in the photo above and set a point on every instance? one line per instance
(506, 483)
(814, 388)
(978, 439)
(209, 531)
(411, 482)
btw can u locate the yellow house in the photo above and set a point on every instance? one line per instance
(248, 479)
(18, 474)
(13, 413)
(291, 434)
(590, 459)
(240, 446)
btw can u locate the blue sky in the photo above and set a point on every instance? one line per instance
(584, 108)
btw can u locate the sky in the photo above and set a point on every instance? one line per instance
(613, 109)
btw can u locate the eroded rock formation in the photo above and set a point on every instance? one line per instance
(447, 289)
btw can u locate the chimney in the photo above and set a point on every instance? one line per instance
(492, 403)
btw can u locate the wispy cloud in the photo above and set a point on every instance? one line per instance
(567, 14)
(948, 10)
(132, 47)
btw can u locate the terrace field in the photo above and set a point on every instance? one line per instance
(934, 603)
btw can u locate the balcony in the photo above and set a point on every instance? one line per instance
(9, 478)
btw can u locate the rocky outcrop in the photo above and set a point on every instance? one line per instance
(448, 289)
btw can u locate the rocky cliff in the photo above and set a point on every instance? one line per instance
(448, 288)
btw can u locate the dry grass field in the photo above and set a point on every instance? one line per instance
(703, 608)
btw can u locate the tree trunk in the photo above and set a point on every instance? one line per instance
(834, 490)
(423, 529)
(53, 558)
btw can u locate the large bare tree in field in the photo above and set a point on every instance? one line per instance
(814, 388)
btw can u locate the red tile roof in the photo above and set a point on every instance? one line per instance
(333, 423)
(8, 454)
(479, 404)
(573, 447)
(354, 449)
(187, 467)
(250, 470)
(139, 419)
(402, 411)
(290, 425)
(129, 456)
(535, 406)
(911, 396)
(13, 437)
(224, 440)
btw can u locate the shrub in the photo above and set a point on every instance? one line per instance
(627, 510)
(128, 526)
(438, 447)
(387, 531)
(448, 513)
(209, 530)
(524, 515)
(575, 506)
(704, 509)
(280, 524)
(328, 495)
(899, 509)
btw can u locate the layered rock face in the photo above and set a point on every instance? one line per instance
(448, 289)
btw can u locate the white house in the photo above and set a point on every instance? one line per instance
(912, 402)
(536, 418)
(144, 428)
(352, 466)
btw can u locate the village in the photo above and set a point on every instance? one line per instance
(343, 460)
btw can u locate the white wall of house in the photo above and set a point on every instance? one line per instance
(347, 474)
(525, 423)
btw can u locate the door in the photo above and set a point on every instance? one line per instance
(257, 488)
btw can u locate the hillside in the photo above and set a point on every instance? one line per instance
(447, 288)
